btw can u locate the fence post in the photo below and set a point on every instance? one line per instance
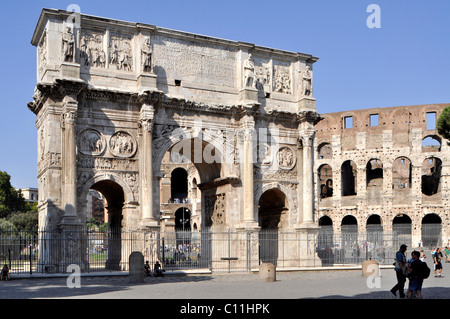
(31, 266)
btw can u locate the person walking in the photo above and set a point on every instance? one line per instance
(415, 276)
(437, 263)
(400, 271)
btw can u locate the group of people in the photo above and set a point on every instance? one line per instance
(157, 270)
(413, 269)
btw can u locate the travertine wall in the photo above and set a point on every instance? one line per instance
(389, 159)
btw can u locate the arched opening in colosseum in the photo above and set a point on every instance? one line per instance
(402, 228)
(374, 229)
(348, 178)
(325, 240)
(431, 143)
(183, 226)
(325, 151)
(401, 173)
(272, 206)
(349, 224)
(179, 185)
(326, 181)
(432, 230)
(374, 173)
(431, 176)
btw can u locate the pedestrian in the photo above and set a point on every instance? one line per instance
(437, 263)
(446, 252)
(415, 277)
(400, 271)
(422, 255)
(5, 273)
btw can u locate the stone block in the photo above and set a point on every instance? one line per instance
(136, 264)
(370, 267)
(267, 272)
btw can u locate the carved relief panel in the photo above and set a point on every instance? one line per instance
(215, 211)
(92, 52)
(122, 144)
(91, 142)
(121, 52)
(282, 81)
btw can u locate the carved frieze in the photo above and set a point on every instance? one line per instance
(122, 144)
(92, 51)
(121, 52)
(106, 163)
(42, 53)
(91, 142)
(215, 210)
(282, 79)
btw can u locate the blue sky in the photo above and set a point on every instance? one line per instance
(405, 62)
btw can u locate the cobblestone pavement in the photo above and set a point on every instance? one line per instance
(321, 284)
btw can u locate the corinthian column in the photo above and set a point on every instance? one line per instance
(308, 188)
(148, 218)
(247, 177)
(69, 163)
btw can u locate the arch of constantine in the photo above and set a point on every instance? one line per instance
(118, 103)
(190, 133)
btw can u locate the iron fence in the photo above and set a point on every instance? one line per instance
(53, 251)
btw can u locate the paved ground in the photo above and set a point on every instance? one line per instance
(321, 284)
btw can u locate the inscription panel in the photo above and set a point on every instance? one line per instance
(182, 59)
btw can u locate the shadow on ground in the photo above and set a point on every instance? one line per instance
(58, 287)
(427, 293)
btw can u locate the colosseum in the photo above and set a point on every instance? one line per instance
(383, 169)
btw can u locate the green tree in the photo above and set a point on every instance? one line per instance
(443, 123)
(11, 200)
(25, 221)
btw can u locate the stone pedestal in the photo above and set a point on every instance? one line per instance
(249, 94)
(70, 71)
(307, 233)
(146, 82)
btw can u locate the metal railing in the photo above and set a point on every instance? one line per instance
(93, 251)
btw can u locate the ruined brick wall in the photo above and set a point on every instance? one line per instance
(389, 162)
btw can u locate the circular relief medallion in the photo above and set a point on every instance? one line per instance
(91, 142)
(286, 158)
(122, 144)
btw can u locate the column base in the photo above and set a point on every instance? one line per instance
(308, 255)
(149, 224)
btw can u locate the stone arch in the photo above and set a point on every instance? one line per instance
(402, 227)
(271, 206)
(325, 151)
(348, 178)
(431, 143)
(401, 173)
(129, 195)
(165, 143)
(431, 176)
(374, 173)
(325, 172)
(349, 224)
(179, 184)
(432, 230)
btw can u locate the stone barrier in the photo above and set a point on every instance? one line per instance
(369, 266)
(136, 273)
(267, 272)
